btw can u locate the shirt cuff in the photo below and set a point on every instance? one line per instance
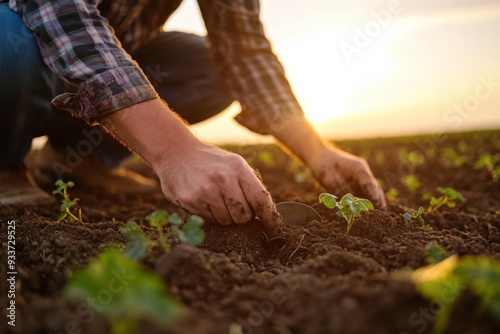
(106, 93)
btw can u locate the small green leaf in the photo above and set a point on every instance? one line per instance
(451, 193)
(329, 200)
(134, 292)
(138, 244)
(411, 182)
(175, 219)
(434, 253)
(191, 232)
(267, 158)
(158, 218)
(407, 217)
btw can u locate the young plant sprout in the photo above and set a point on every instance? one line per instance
(137, 295)
(434, 253)
(266, 158)
(348, 207)
(489, 162)
(392, 194)
(138, 244)
(451, 158)
(412, 158)
(66, 202)
(416, 214)
(479, 275)
(191, 232)
(411, 182)
(448, 198)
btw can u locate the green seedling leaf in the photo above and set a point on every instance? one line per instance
(66, 202)
(158, 218)
(489, 162)
(412, 158)
(349, 206)
(191, 232)
(448, 198)
(411, 182)
(434, 253)
(132, 292)
(451, 193)
(479, 275)
(416, 214)
(175, 219)
(138, 244)
(267, 158)
(329, 200)
(392, 194)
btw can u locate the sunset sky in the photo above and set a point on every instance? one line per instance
(424, 66)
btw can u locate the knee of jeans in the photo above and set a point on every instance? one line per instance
(20, 56)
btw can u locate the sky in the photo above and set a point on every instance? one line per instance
(377, 68)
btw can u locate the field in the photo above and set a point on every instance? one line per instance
(321, 281)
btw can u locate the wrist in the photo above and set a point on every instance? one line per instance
(302, 140)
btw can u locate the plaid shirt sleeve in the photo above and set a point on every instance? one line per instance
(79, 46)
(245, 59)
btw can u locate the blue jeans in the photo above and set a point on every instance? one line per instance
(177, 64)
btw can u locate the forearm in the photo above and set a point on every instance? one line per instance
(151, 130)
(301, 139)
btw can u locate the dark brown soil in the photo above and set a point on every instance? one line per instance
(321, 281)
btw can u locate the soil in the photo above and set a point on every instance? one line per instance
(321, 281)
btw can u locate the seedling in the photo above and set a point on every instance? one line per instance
(266, 158)
(448, 198)
(392, 194)
(417, 214)
(380, 157)
(136, 295)
(411, 182)
(489, 162)
(434, 253)
(138, 244)
(300, 174)
(348, 207)
(452, 276)
(452, 158)
(412, 158)
(66, 202)
(191, 232)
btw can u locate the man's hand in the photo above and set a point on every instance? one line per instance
(338, 171)
(346, 173)
(204, 180)
(219, 186)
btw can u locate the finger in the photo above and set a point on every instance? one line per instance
(367, 185)
(200, 210)
(238, 207)
(215, 207)
(261, 202)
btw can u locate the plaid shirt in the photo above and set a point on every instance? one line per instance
(77, 43)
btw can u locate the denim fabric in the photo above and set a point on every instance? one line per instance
(177, 64)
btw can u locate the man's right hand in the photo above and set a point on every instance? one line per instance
(204, 180)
